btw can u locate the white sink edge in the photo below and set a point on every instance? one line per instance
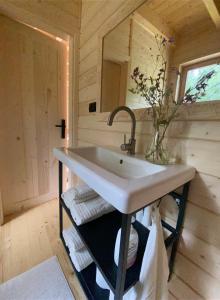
(126, 200)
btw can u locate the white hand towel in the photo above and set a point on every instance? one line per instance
(153, 281)
(154, 274)
(81, 259)
(72, 238)
(132, 248)
(89, 210)
(139, 215)
(146, 220)
(79, 194)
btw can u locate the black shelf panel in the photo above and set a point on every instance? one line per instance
(99, 237)
(87, 279)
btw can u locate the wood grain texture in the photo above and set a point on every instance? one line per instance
(193, 14)
(202, 283)
(31, 237)
(1, 210)
(214, 11)
(32, 101)
(45, 13)
(194, 136)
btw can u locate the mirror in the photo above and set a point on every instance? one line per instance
(194, 32)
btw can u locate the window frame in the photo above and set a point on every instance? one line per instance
(191, 66)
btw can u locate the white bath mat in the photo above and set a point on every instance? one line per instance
(46, 281)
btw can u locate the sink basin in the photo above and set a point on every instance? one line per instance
(120, 165)
(127, 182)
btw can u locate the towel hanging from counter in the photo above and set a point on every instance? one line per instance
(153, 281)
(154, 274)
(145, 217)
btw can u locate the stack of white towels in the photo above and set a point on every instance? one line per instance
(85, 205)
(78, 252)
(132, 254)
(132, 247)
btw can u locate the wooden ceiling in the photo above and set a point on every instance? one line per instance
(184, 16)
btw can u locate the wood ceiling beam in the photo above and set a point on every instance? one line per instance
(213, 7)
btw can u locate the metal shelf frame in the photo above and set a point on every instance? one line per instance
(92, 291)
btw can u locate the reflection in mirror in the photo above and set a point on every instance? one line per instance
(195, 50)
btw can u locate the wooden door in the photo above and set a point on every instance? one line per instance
(32, 101)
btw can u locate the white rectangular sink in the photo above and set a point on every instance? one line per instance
(120, 165)
(127, 182)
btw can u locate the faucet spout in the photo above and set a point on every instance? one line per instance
(130, 147)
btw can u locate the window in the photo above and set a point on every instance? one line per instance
(191, 74)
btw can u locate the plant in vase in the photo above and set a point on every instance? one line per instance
(159, 96)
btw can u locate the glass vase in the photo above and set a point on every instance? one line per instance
(157, 153)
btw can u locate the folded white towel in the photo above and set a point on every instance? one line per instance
(89, 210)
(81, 258)
(73, 239)
(132, 248)
(79, 194)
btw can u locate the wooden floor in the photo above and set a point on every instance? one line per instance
(29, 238)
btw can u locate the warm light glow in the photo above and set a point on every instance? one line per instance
(67, 90)
(67, 82)
(59, 40)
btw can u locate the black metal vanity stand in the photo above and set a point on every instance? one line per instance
(99, 237)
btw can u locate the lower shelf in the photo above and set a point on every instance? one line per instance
(87, 279)
(99, 237)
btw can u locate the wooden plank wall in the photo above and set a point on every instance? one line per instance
(63, 15)
(116, 43)
(194, 137)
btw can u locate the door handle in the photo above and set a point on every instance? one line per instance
(63, 128)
